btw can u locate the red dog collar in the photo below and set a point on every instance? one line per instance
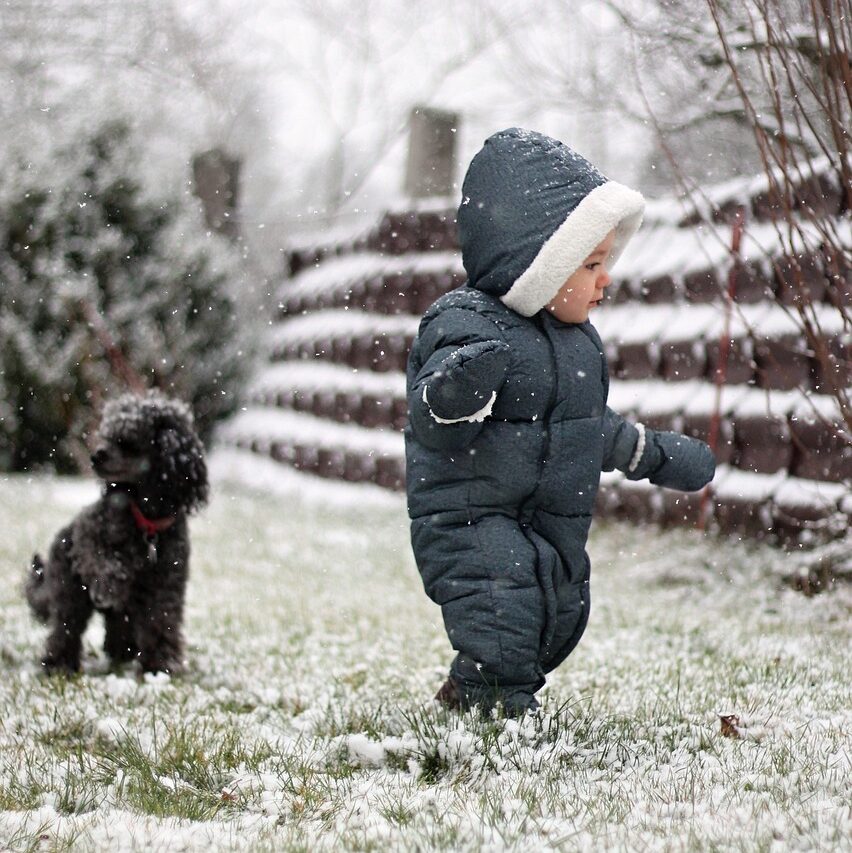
(150, 526)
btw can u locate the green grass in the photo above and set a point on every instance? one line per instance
(305, 719)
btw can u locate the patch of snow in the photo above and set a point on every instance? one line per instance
(733, 483)
(264, 475)
(641, 323)
(72, 493)
(629, 324)
(317, 375)
(365, 752)
(796, 492)
(110, 729)
(269, 425)
(340, 274)
(341, 232)
(330, 324)
(661, 250)
(704, 402)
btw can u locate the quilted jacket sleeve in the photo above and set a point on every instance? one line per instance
(457, 367)
(620, 440)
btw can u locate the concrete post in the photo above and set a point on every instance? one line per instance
(431, 153)
(216, 179)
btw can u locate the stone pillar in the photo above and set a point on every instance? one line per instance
(216, 179)
(431, 153)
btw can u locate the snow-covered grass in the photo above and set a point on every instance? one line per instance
(305, 722)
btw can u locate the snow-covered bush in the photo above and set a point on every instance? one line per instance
(104, 278)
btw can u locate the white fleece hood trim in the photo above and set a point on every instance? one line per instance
(607, 207)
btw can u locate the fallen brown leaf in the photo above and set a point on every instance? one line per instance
(730, 725)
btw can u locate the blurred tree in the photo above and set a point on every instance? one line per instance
(182, 67)
(790, 66)
(91, 256)
(691, 66)
(180, 73)
(775, 77)
(728, 88)
(565, 65)
(352, 69)
(660, 61)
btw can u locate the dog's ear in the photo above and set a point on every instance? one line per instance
(183, 454)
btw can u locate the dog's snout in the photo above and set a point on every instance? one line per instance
(99, 456)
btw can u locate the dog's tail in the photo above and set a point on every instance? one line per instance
(36, 590)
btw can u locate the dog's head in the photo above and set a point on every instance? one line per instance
(149, 442)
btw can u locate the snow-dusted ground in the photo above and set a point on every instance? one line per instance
(305, 721)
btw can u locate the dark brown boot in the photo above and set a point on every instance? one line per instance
(448, 695)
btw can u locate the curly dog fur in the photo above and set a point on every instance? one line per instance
(127, 555)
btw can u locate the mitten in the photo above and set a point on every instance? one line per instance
(467, 381)
(673, 460)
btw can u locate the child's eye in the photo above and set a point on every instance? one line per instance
(592, 265)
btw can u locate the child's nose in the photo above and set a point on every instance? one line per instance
(604, 279)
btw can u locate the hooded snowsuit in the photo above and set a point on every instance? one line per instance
(508, 423)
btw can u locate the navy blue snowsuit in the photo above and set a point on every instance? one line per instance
(508, 423)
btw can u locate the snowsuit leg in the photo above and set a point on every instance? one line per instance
(483, 571)
(560, 543)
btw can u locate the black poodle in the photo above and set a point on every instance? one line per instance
(127, 555)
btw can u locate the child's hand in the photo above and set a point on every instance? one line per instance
(467, 380)
(677, 461)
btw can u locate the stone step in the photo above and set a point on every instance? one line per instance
(758, 432)
(785, 509)
(640, 344)
(664, 265)
(403, 291)
(409, 289)
(789, 510)
(398, 232)
(319, 446)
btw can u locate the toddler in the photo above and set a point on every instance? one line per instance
(508, 423)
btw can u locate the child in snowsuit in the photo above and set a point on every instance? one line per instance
(508, 424)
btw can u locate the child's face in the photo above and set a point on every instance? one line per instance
(584, 288)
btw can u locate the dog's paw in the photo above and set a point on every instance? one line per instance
(172, 668)
(52, 666)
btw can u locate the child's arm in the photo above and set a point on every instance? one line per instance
(453, 392)
(665, 458)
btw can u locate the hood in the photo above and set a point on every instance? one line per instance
(532, 211)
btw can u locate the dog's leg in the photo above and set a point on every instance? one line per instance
(160, 638)
(119, 643)
(63, 601)
(37, 591)
(39, 584)
(158, 627)
(70, 612)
